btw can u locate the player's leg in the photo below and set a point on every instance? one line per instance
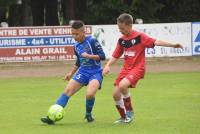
(78, 80)
(93, 86)
(72, 87)
(90, 98)
(132, 77)
(124, 89)
(119, 102)
(121, 88)
(128, 105)
(117, 96)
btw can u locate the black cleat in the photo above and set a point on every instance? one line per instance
(89, 118)
(47, 120)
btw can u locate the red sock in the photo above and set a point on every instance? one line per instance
(121, 111)
(127, 104)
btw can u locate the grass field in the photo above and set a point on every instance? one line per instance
(165, 103)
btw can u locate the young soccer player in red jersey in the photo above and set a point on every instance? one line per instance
(132, 44)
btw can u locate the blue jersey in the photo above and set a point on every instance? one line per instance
(91, 46)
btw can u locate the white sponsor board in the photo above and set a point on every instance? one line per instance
(107, 36)
(196, 38)
(172, 32)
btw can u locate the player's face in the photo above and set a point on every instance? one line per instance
(78, 34)
(124, 29)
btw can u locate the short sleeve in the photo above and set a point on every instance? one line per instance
(98, 49)
(119, 50)
(147, 41)
(77, 63)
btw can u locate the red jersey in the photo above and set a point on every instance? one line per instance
(133, 47)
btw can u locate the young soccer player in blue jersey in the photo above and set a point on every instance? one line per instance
(87, 70)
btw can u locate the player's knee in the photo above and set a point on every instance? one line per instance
(116, 95)
(122, 86)
(68, 92)
(90, 95)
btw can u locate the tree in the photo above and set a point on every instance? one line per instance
(73, 10)
(4, 7)
(106, 11)
(179, 10)
(147, 10)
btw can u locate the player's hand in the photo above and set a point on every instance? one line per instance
(106, 70)
(67, 76)
(85, 55)
(178, 46)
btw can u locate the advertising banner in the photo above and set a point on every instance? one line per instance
(108, 36)
(196, 38)
(37, 43)
(56, 43)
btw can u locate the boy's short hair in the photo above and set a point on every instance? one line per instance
(125, 18)
(77, 24)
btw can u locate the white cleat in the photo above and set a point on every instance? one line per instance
(123, 120)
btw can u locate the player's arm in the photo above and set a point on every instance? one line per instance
(167, 44)
(90, 56)
(71, 73)
(115, 56)
(151, 42)
(111, 61)
(74, 69)
(106, 69)
(98, 51)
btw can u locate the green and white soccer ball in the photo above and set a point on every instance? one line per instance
(56, 112)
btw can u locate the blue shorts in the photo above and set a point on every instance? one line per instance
(85, 77)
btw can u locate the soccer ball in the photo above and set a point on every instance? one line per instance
(55, 112)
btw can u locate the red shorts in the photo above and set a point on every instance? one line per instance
(132, 75)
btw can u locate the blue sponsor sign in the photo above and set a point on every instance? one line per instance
(36, 41)
(196, 38)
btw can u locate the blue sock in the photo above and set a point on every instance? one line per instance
(89, 105)
(62, 100)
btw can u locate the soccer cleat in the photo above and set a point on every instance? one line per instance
(47, 120)
(89, 118)
(123, 120)
(130, 114)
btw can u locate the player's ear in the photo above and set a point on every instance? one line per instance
(82, 29)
